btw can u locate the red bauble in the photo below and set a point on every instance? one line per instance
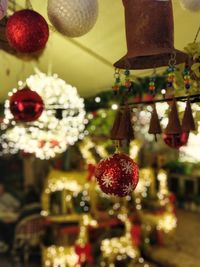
(117, 175)
(26, 105)
(27, 31)
(176, 140)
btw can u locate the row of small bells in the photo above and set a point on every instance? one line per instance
(176, 134)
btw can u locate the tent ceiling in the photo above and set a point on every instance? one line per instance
(86, 62)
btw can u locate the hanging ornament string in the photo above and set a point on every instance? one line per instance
(117, 83)
(187, 71)
(127, 83)
(29, 5)
(12, 5)
(171, 72)
(117, 146)
(152, 80)
(186, 77)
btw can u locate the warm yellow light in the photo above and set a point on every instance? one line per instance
(135, 146)
(167, 223)
(50, 134)
(60, 256)
(163, 187)
(61, 184)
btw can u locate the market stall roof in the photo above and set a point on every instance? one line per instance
(86, 62)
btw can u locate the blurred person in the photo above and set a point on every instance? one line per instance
(31, 205)
(9, 207)
(30, 226)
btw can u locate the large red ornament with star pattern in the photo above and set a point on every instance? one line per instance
(117, 175)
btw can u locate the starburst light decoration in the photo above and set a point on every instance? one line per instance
(61, 124)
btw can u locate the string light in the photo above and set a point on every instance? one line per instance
(119, 248)
(62, 184)
(60, 256)
(61, 124)
(97, 99)
(114, 106)
(114, 249)
(163, 190)
(167, 222)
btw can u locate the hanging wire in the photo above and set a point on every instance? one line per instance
(172, 60)
(197, 34)
(154, 72)
(116, 73)
(28, 4)
(12, 6)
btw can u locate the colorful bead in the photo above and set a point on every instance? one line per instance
(117, 84)
(115, 88)
(127, 73)
(186, 77)
(171, 77)
(127, 83)
(152, 86)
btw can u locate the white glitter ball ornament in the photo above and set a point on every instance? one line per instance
(73, 18)
(192, 5)
(3, 8)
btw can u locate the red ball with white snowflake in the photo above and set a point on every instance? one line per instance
(117, 175)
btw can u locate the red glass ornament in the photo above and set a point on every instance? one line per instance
(27, 31)
(176, 140)
(26, 105)
(117, 175)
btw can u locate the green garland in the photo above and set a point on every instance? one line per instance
(139, 87)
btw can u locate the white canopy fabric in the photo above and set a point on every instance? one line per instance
(86, 62)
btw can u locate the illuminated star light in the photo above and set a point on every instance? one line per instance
(54, 131)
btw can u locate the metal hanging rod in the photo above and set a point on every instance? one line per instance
(193, 99)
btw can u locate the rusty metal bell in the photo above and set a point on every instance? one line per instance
(122, 127)
(149, 35)
(173, 126)
(188, 123)
(154, 126)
